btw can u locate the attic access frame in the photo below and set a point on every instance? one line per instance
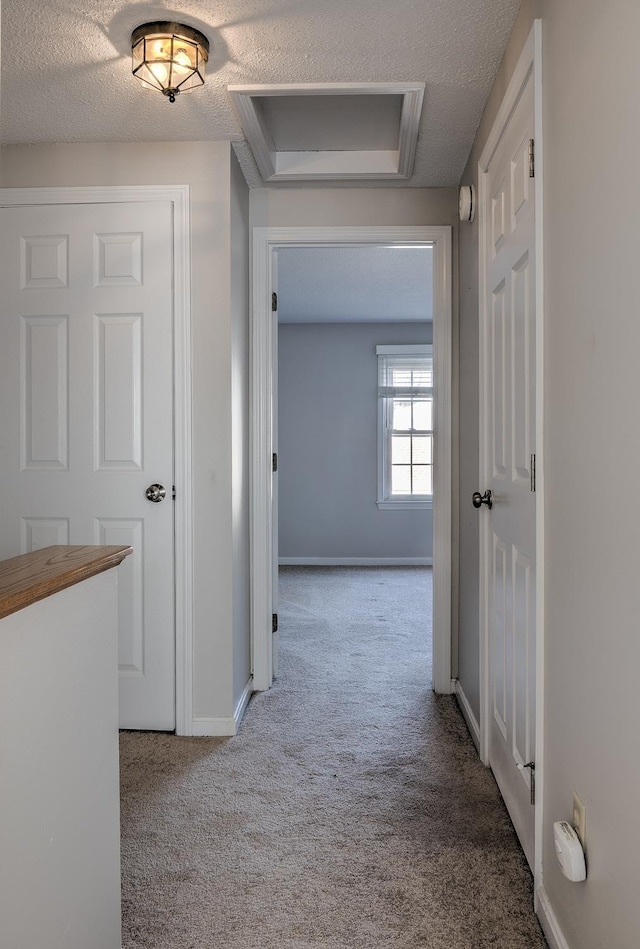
(266, 242)
(276, 164)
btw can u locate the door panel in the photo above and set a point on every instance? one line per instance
(44, 348)
(500, 635)
(510, 436)
(499, 382)
(523, 342)
(118, 397)
(523, 749)
(119, 531)
(86, 364)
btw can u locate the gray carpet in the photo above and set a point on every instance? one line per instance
(351, 812)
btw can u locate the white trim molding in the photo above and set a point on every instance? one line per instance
(405, 505)
(224, 727)
(179, 196)
(355, 561)
(266, 242)
(529, 66)
(549, 921)
(384, 355)
(213, 727)
(241, 704)
(467, 713)
(279, 165)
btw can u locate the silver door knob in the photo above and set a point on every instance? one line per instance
(155, 492)
(478, 499)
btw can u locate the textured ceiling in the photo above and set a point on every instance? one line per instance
(66, 73)
(354, 284)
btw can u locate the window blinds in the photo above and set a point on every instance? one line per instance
(405, 375)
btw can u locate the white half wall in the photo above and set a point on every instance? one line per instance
(60, 816)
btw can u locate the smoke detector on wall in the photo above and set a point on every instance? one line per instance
(467, 203)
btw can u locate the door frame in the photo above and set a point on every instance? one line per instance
(266, 241)
(179, 196)
(529, 64)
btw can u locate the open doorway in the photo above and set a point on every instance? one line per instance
(354, 438)
(355, 396)
(269, 243)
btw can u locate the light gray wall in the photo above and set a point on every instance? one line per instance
(239, 232)
(328, 412)
(300, 207)
(205, 166)
(591, 79)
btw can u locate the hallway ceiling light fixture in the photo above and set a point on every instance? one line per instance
(169, 57)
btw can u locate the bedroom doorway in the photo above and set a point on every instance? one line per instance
(271, 245)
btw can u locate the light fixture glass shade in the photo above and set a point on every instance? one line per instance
(169, 57)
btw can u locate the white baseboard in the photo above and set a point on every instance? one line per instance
(243, 701)
(467, 712)
(223, 727)
(213, 727)
(355, 561)
(549, 922)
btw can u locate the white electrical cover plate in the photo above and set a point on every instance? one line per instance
(569, 852)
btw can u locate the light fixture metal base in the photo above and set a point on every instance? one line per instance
(170, 27)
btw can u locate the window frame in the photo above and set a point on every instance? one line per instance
(385, 499)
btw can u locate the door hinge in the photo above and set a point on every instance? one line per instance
(532, 784)
(173, 492)
(532, 161)
(533, 471)
(274, 301)
(274, 622)
(274, 461)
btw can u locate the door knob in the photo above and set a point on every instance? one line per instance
(478, 499)
(155, 492)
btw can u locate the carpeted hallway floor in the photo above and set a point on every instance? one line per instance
(351, 812)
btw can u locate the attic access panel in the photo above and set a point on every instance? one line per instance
(332, 131)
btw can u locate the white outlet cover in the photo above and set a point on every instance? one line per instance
(579, 817)
(569, 852)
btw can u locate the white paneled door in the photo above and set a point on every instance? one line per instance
(509, 450)
(87, 420)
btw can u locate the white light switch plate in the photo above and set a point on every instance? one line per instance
(579, 817)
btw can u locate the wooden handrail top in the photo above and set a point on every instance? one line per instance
(31, 577)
